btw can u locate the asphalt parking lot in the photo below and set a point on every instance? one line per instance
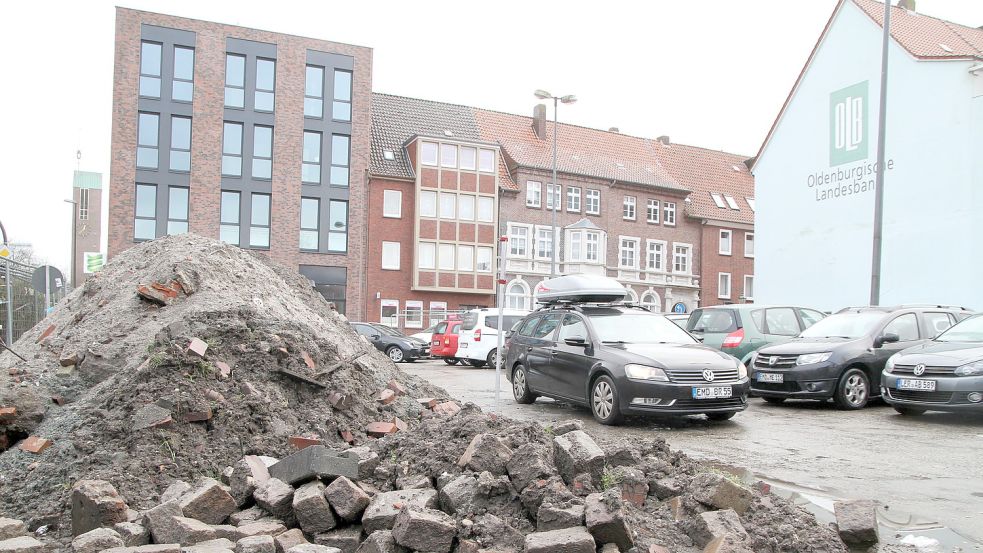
(929, 467)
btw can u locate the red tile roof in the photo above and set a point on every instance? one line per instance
(923, 36)
(708, 172)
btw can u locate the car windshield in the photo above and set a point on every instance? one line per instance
(388, 330)
(637, 328)
(969, 330)
(844, 325)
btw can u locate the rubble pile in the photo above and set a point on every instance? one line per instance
(194, 398)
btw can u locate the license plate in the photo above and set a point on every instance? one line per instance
(915, 384)
(463, 346)
(777, 378)
(712, 392)
(436, 342)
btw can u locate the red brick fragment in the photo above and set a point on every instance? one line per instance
(47, 332)
(308, 361)
(347, 436)
(400, 425)
(301, 442)
(4, 442)
(396, 387)
(224, 370)
(68, 359)
(162, 423)
(59, 400)
(386, 397)
(153, 295)
(198, 416)
(427, 402)
(8, 414)
(449, 408)
(634, 493)
(339, 400)
(380, 429)
(166, 290)
(33, 444)
(198, 347)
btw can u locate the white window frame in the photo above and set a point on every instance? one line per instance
(748, 278)
(652, 207)
(436, 308)
(451, 263)
(598, 251)
(432, 246)
(573, 199)
(482, 166)
(595, 194)
(688, 255)
(534, 194)
(514, 238)
(394, 320)
(549, 234)
(510, 295)
(657, 304)
(720, 286)
(634, 241)
(484, 252)
(731, 202)
(424, 158)
(662, 255)
(628, 208)
(466, 207)
(575, 237)
(474, 158)
(669, 215)
(386, 196)
(451, 202)
(718, 200)
(431, 209)
(749, 238)
(392, 248)
(554, 196)
(467, 267)
(726, 239)
(489, 202)
(448, 156)
(411, 321)
(750, 203)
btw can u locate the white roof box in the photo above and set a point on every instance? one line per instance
(580, 288)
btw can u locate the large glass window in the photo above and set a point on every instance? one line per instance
(180, 158)
(83, 204)
(232, 149)
(310, 211)
(145, 223)
(428, 153)
(428, 255)
(229, 229)
(576, 245)
(341, 108)
(486, 209)
(183, 87)
(465, 207)
(484, 261)
(150, 69)
(235, 81)
(259, 221)
(445, 259)
(314, 92)
(593, 242)
(262, 152)
(448, 155)
(148, 136)
(465, 258)
(428, 203)
(177, 210)
(486, 161)
(593, 202)
(448, 205)
(265, 84)
(553, 194)
(311, 169)
(340, 149)
(573, 198)
(390, 255)
(652, 212)
(517, 297)
(468, 158)
(414, 314)
(338, 226)
(544, 243)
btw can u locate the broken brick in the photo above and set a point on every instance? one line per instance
(339, 400)
(347, 436)
(153, 295)
(380, 429)
(166, 290)
(58, 400)
(396, 387)
(33, 444)
(47, 332)
(8, 414)
(198, 416)
(400, 425)
(68, 359)
(198, 347)
(300, 442)
(307, 360)
(386, 397)
(427, 402)
(449, 408)
(224, 370)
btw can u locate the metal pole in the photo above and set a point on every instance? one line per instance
(47, 289)
(500, 352)
(10, 303)
(875, 269)
(75, 217)
(553, 193)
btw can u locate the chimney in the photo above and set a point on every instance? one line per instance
(614, 129)
(539, 121)
(663, 139)
(907, 5)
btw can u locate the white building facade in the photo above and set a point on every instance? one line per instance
(815, 173)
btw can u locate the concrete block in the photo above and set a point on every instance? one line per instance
(486, 452)
(11, 528)
(528, 463)
(567, 540)
(555, 517)
(714, 524)
(314, 462)
(575, 453)
(368, 460)
(716, 491)
(347, 499)
(605, 517)
(95, 503)
(856, 521)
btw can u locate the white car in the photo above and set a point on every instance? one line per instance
(426, 335)
(478, 338)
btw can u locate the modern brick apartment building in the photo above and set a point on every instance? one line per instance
(258, 138)
(87, 243)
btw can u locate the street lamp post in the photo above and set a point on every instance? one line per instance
(568, 99)
(75, 216)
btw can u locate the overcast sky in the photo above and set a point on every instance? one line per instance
(712, 73)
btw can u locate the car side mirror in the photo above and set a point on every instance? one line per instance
(575, 341)
(375, 337)
(886, 338)
(508, 334)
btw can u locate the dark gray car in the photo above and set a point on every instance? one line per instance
(398, 346)
(944, 374)
(841, 357)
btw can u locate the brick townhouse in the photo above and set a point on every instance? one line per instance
(256, 138)
(433, 197)
(722, 204)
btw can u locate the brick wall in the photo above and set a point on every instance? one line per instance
(714, 263)
(208, 114)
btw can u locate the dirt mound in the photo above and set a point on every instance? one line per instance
(226, 353)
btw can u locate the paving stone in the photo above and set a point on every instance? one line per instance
(311, 508)
(413, 482)
(256, 544)
(198, 347)
(609, 548)
(175, 491)
(208, 502)
(382, 510)
(554, 517)
(857, 522)
(728, 543)
(486, 452)
(287, 540)
(425, 530)
(11, 528)
(346, 539)
(346, 498)
(247, 515)
(368, 460)
(381, 541)
(576, 453)
(529, 462)
(716, 491)
(314, 462)
(565, 427)
(22, 544)
(95, 503)
(664, 488)
(189, 531)
(151, 416)
(218, 545)
(96, 540)
(313, 548)
(714, 524)
(248, 473)
(275, 497)
(132, 533)
(226, 531)
(261, 527)
(160, 521)
(605, 517)
(154, 548)
(458, 496)
(567, 540)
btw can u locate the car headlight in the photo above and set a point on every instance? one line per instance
(741, 370)
(642, 372)
(971, 369)
(889, 366)
(810, 358)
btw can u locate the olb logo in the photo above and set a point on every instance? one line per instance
(848, 124)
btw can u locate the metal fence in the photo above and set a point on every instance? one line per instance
(21, 306)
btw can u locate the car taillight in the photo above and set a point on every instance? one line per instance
(733, 339)
(447, 341)
(477, 335)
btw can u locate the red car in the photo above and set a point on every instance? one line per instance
(444, 344)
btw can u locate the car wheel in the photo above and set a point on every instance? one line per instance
(492, 358)
(604, 401)
(774, 400)
(395, 353)
(520, 386)
(908, 411)
(450, 360)
(720, 416)
(853, 390)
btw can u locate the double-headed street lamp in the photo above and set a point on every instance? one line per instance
(554, 197)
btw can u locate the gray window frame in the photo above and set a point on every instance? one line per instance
(305, 163)
(261, 225)
(331, 231)
(348, 161)
(242, 137)
(136, 211)
(310, 97)
(155, 147)
(256, 157)
(237, 224)
(175, 79)
(257, 91)
(159, 77)
(336, 101)
(187, 208)
(241, 87)
(173, 149)
(316, 229)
